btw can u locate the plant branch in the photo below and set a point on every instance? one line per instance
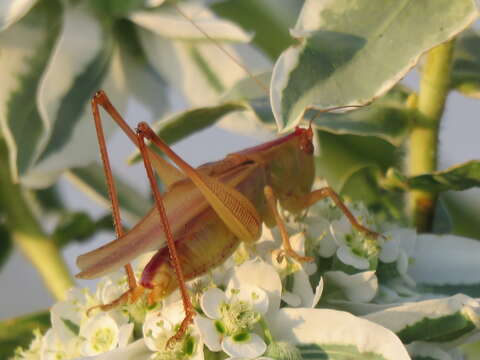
(423, 147)
(29, 235)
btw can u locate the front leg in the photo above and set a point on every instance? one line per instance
(287, 246)
(317, 195)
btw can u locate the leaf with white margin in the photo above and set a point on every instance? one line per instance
(263, 18)
(446, 320)
(74, 73)
(144, 83)
(336, 61)
(201, 71)
(387, 118)
(82, 147)
(455, 266)
(421, 350)
(360, 287)
(322, 333)
(26, 49)
(13, 10)
(357, 308)
(259, 273)
(167, 22)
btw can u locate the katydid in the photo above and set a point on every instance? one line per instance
(205, 212)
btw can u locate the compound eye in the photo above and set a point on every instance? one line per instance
(306, 146)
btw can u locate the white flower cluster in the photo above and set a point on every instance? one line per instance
(258, 305)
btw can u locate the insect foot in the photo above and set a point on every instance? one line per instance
(128, 297)
(182, 330)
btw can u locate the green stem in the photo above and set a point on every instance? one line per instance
(29, 235)
(423, 149)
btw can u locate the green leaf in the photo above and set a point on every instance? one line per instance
(90, 179)
(459, 177)
(184, 124)
(363, 186)
(199, 69)
(336, 59)
(424, 351)
(49, 199)
(263, 18)
(19, 331)
(336, 351)
(387, 118)
(330, 334)
(13, 10)
(26, 49)
(6, 244)
(248, 91)
(464, 214)
(79, 226)
(456, 267)
(115, 8)
(439, 320)
(143, 82)
(341, 156)
(442, 221)
(466, 64)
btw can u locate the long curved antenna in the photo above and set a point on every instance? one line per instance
(321, 111)
(222, 49)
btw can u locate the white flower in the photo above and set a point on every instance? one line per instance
(230, 319)
(297, 290)
(161, 326)
(76, 331)
(355, 248)
(101, 334)
(359, 287)
(54, 349)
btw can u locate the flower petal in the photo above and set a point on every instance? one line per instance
(211, 301)
(360, 287)
(250, 349)
(208, 333)
(251, 294)
(390, 249)
(348, 257)
(248, 273)
(318, 293)
(101, 334)
(155, 324)
(291, 299)
(125, 334)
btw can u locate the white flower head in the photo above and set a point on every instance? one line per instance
(161, 326)
(100, 334)
(355, 248)
(54, 349)
(230, 318)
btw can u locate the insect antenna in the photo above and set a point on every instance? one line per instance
(263, 86)
(322, 111)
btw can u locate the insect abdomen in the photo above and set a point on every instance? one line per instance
(203, 246)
